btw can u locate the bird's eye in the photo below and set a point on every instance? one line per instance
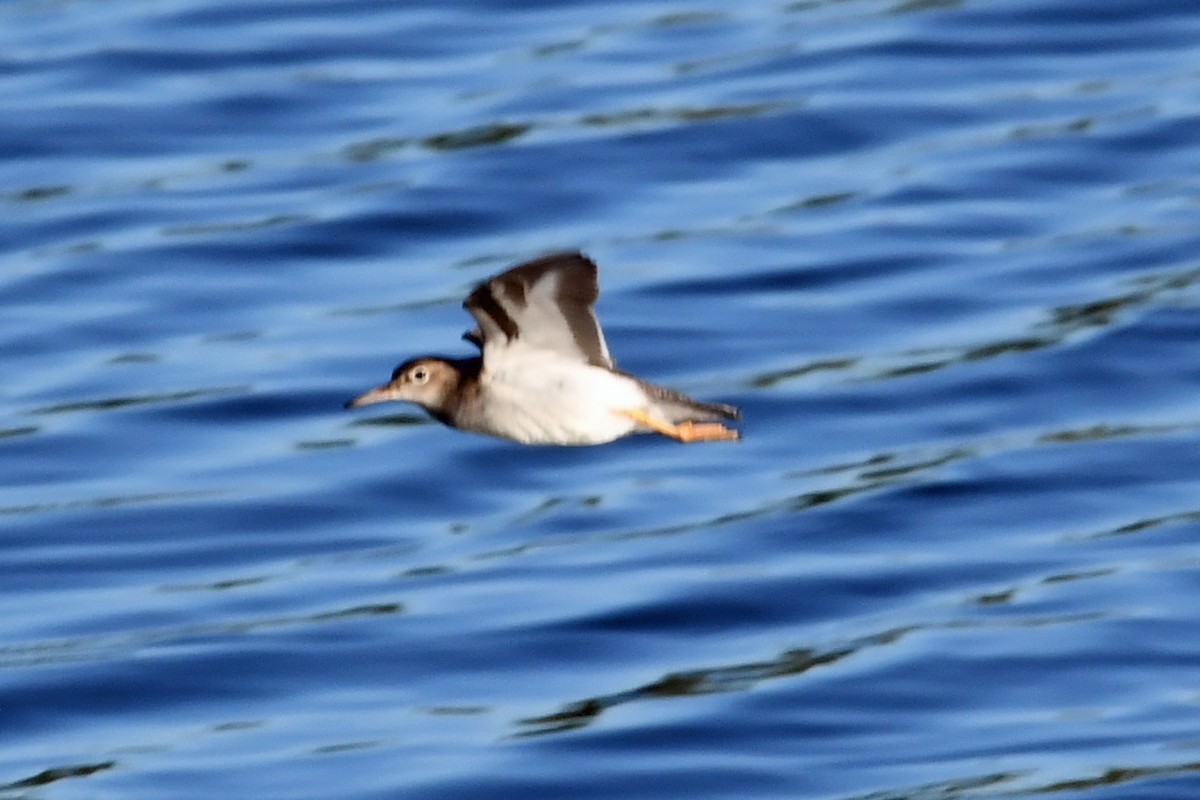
(419, 375)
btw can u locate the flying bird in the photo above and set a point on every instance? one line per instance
(544, 374)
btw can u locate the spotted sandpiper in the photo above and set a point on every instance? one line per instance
(544, 375)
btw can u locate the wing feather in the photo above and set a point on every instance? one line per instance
(544, 304)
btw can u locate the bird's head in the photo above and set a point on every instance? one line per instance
(426, 381)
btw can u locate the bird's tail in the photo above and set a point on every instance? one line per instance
(678, 407)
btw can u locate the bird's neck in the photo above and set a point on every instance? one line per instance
(464, 392)
(467, 368)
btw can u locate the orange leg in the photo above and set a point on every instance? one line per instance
(686, 431)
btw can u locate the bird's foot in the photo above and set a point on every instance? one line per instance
(705, 432)
(686, 431)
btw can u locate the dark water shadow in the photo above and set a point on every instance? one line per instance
(55, 774)
(1059, 326)
(108, 646)
(111, 501)
(736, 677)
(149, 398)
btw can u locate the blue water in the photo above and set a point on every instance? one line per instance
(942, 254)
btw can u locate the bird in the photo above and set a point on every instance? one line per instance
(544, 375)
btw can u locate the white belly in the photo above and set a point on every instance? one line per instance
(544, 399)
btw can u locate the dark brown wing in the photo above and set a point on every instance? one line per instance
(544, 304)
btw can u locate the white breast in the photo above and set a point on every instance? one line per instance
(538, 397)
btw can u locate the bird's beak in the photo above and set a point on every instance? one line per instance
(380, 394)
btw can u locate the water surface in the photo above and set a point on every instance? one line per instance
(942, 254)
